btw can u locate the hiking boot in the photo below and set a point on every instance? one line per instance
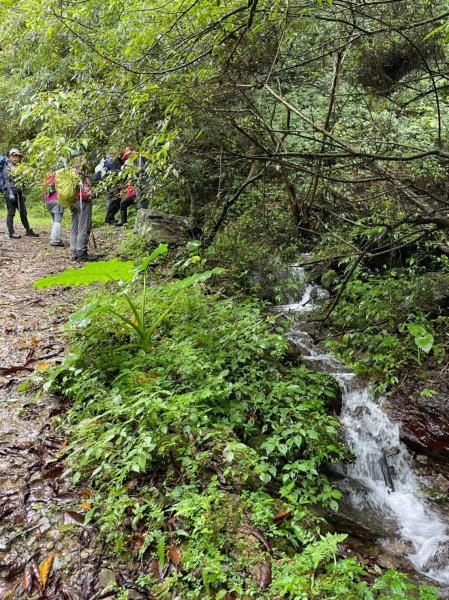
(14, 235)
(31, 233)
(119, 224)
(58, 244)
(87, 258)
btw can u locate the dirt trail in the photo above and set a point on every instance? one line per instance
(40, 516)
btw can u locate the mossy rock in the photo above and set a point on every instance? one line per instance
(328, 279)
(162, 228)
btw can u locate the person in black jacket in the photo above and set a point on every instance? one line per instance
(104, 169)
(15, 196)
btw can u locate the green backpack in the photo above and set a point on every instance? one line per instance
(66, 181)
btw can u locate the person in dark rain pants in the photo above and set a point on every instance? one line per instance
(15, 196)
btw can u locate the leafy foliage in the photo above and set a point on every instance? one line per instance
(204, 416)
(196, 449)
(383, 324)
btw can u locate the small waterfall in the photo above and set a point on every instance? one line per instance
(380, 480)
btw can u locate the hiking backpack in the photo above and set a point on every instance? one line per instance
(66, 181)
(3, 160)
(100, 170)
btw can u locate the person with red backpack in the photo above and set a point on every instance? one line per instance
(128, 200)
(105, 170)
(15, 196)
(135, 190)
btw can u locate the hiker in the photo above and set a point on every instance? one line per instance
(81, 212)
(15, 196)
(128, 200)
(104, 169)
(56, 211)
(135, 191)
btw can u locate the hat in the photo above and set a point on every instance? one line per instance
(15, 151)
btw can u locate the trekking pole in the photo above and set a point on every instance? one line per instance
(93, 238)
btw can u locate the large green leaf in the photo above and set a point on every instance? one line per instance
(187, 282)
(161, 249)
(103, 270)
(423, 339)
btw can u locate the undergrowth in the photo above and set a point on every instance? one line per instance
(385, 323)
(203, 454)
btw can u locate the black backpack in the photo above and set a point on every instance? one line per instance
(3, 160)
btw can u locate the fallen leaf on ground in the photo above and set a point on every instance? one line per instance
(174, 554)
(27, 581)
(6, 590)
(265, 575)
(44, 569)
(70, 516)
(283, 514)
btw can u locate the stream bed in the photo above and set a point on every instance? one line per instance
(381, 490)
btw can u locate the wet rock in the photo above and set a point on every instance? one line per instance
(439, 558)
(328, 279)
(434, 290)
(398, 547)
(133, 595)
(44, 525)
(106, 577)
(57, 563)
(424, 423)
(355, 516)
(162, 228)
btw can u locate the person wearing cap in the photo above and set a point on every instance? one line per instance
(15, 196)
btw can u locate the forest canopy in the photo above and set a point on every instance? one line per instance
(337, 103)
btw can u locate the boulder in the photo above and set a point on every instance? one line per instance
(162, 228)
(434, 290)
(424, 426)
(329, 279)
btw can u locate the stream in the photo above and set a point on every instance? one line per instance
(380, 486)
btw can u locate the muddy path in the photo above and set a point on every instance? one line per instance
(45, 550)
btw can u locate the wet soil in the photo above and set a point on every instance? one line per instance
(46, 551)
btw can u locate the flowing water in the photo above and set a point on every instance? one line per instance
(380, 481)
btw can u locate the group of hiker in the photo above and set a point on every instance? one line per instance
(121, 192)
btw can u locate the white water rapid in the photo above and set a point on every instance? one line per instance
(380, 483)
